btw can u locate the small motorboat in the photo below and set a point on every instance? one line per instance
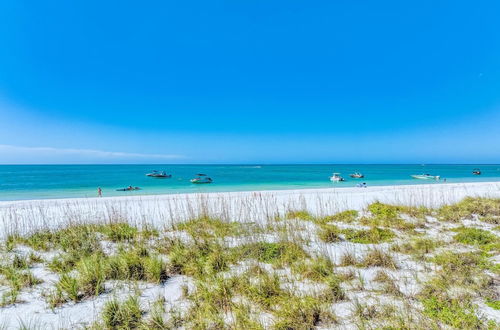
(426, 177)
(356, 175)
(336, 177)
(159, 174)
(476, 171)
(129, 188)
(201, 178)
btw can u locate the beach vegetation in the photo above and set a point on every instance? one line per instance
(495, 304)
(269, 274)
(486, 209)
(329, 233)
(280, 253)
(373, 235)
(376, 257)
(477, 237)
(347, 216)
(300, 215)
(122, 315)
(209, 227)
(417, 247)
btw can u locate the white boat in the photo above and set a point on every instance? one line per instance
(426, 177)
(357, 175)
(201, 178)
(336, 177)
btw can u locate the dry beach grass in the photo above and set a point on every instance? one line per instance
(418, 258)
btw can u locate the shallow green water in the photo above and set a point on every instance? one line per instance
(63, 181)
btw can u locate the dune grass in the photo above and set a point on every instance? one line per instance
(272, 275)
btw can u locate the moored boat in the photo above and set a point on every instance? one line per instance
(476, 171)
(426, 177)
(357, 175)
(201, 178)
(336, 177)
(129, 188)
(159, 174)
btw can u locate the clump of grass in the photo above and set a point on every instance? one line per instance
(464, 269)
(16, 279)
(211, 299)
(386, 215)
(417, 247)
(457, 313)
(484, 208)
(66, 288)
(319, 269)
(118, 231)
(265, 290)
(478, 237)
(279, 253)
(300, 214)
(122, 315)
(348, 259)
(370, 236)
(334, 291)
(390, 286)
(200, 258)
(136, 264)
(91, 275)
(378, 258)
(244, 318)
(495, 304)
(329, 233)
(347, 216)
(302, 313)
(208, 227)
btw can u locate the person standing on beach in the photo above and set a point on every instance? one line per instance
(99, 192)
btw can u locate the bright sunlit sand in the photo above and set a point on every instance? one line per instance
(320, 257)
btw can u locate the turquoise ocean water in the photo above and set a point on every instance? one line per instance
(64, 181)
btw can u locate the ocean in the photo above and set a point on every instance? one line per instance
(20, 182)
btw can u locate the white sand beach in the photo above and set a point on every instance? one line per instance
(161, 211)
(30, 215)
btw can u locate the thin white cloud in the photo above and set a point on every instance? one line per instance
(11, 151)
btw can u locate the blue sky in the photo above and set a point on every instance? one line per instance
(249, 82)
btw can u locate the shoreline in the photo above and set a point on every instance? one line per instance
(304, 191)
